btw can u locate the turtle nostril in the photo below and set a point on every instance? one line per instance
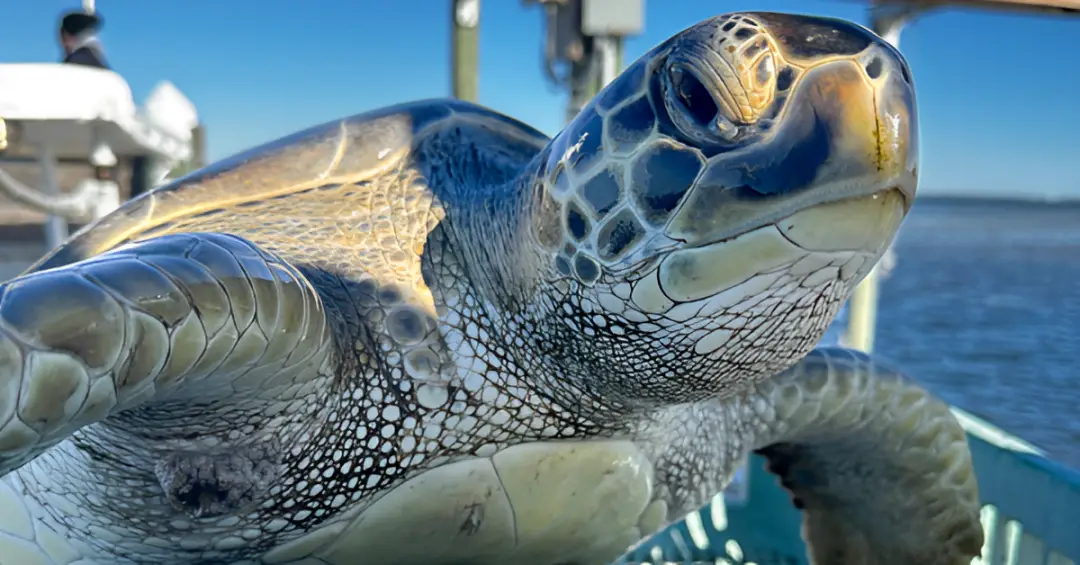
(905, 73)
(873, 69)
(695, 97)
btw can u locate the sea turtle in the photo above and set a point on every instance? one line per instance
(431, 334)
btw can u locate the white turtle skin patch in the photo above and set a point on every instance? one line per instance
(696, 273)
(526, 504)
(25, 539)
(857, 226)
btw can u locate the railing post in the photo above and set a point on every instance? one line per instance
(56, 228)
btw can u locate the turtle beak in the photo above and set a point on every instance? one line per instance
(839, 163)
(858, 88)
(867, 107)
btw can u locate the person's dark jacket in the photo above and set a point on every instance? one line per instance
(87, 56)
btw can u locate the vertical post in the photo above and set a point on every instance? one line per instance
(620, 55)
(198, 147)
(602, 25)
(56, 228)
(141, 179)
(608, 49)
(465, 50)
(599, 67)
(582, 68)
(862, 313)
(887, 21)
(88, 6)
(582, 87)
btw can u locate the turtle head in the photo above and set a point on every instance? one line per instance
(720, 199)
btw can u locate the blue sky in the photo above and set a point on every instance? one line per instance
(999, 93)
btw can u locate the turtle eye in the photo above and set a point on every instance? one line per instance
(694, 109)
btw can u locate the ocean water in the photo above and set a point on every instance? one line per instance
(983, 308)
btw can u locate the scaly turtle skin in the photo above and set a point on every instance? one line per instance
(430, 334)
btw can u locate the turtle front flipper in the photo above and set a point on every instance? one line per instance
(880, 468)
(180, 317)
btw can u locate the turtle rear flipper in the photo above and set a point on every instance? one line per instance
(196, 316)
(880, 468)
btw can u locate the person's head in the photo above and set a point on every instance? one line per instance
(75, 24)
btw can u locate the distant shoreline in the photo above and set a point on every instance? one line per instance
(1034, 201)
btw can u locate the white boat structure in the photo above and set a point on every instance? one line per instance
(56, 115)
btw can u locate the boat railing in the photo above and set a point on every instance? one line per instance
(1030, 513)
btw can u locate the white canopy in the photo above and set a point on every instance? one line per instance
(71, 109)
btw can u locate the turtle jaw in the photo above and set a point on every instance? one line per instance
(861, 224)
(839, 240)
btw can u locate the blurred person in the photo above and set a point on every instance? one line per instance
(79, 39)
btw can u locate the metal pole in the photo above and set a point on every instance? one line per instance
(620, 55)
(88, 6)
(862, 313)
(608, 51)
(465, 50)
(582, 85)
(56, 229)
(887, 21)
(599, 66)
(588, 36)
(198, 147)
